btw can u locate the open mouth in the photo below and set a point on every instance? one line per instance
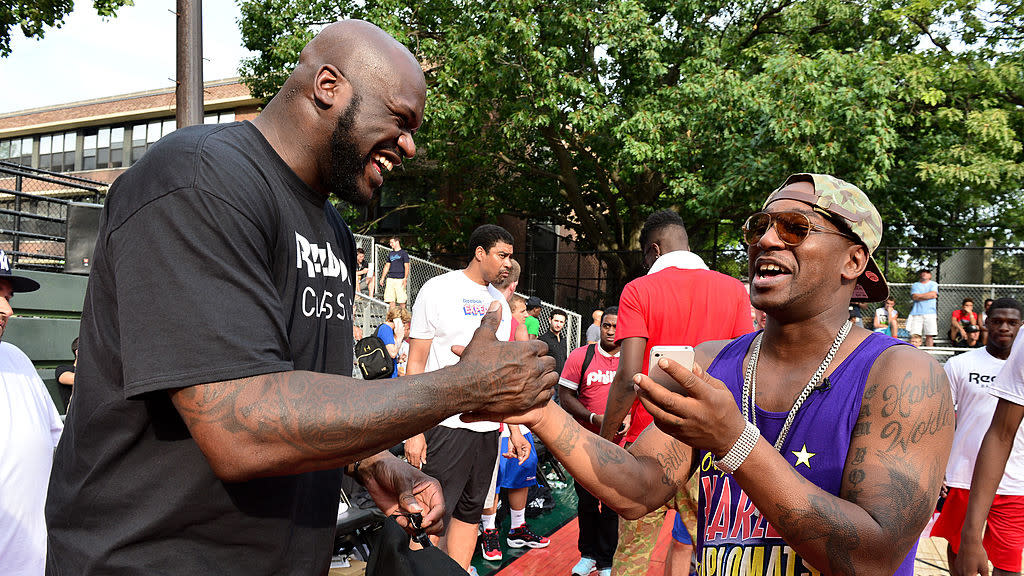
(381, 163)
(767, 272)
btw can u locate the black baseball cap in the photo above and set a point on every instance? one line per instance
(533, 302)
(18, 283)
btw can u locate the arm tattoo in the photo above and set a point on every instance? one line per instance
(672, 460)
(605, 453)
(568, 436)
(826, 520)
(902, 402)
(909, 502)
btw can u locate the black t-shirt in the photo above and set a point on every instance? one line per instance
(398, 260)
(65, 389)
(214, 262)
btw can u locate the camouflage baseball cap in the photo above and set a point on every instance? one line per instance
(843, 200)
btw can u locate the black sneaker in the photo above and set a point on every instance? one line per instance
(489, 545)
(523, 536)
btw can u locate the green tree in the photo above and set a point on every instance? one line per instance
(34, 16)
(593, 114)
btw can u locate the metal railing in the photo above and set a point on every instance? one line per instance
(33, 213)
(421, 270)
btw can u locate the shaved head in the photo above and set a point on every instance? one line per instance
(346, 115)
(362, 52)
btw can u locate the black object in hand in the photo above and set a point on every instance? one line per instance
(419, 535)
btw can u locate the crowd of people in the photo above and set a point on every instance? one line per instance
(209, 435)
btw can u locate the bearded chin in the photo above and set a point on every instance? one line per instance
(345, 162)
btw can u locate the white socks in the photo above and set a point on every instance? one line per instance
(518, 517)
(487, 520)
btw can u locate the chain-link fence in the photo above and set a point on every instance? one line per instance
(951, 297)
(33, 213)
(421, 270)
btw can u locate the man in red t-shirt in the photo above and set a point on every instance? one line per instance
(963, 325)
(587, 374)
(678, 302)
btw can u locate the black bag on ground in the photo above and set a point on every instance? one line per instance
(372, 357)
(391, 556)
(540, 499)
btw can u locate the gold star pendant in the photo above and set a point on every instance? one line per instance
(803, 457)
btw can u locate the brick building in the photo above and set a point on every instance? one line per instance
(98, 139)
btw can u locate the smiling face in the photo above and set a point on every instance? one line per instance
(374, 132)
(806, 277)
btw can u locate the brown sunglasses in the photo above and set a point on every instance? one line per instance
(791, 227)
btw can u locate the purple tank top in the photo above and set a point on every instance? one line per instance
(732, 538)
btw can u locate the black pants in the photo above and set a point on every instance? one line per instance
(599, 528)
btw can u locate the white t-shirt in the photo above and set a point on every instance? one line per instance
(971, 377)
(29, 429)
(883, 319)
(447, 312)
(1009, 384)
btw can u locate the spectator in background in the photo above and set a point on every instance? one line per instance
(971, 375)
(395, 277)
(916, 340)
(392, 333)
(999, 456)
(364, 274)
(29, 431)
(963, 325)
(518, 306)
(923, 314)
(532, 321)
(594, 330)
(679, 302)
(65, 374)
(856, 314)
(886, 317)
(584, 383)
(555, 338)
(984, 315)
(461, 455)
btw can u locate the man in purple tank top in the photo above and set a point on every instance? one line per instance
(820, 446)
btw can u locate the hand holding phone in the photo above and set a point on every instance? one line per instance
(683, 355)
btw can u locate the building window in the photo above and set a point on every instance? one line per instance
(17, 150)
(57, 151)
(219, 117)
(144, 135)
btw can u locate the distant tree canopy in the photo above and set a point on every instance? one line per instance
(34, 16)
(593, 114)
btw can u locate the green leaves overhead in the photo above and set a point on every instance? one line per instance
(35, 16)
(594, 114)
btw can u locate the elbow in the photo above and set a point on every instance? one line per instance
(631, 511)
(234, 462)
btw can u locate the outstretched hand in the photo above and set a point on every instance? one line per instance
(502, 379)
(398, 488)
(701, 413)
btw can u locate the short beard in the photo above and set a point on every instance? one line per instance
(346, 165)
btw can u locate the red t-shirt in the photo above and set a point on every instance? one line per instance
(680, 307)
(959, 314)
(592, 389)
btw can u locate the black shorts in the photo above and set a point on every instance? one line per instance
(463, 462)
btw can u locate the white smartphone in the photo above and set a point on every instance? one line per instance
(680, 354)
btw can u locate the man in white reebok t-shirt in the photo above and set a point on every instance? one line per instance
(29, 430)
(971, 377)
(459, 454)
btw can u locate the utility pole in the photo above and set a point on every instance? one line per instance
(188, 94)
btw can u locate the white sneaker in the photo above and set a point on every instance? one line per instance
(584, 566)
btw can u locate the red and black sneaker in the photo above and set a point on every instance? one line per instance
(523, 536)
(489, 545)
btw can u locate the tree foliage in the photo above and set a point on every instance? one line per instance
(34, 16)
(593, 114)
